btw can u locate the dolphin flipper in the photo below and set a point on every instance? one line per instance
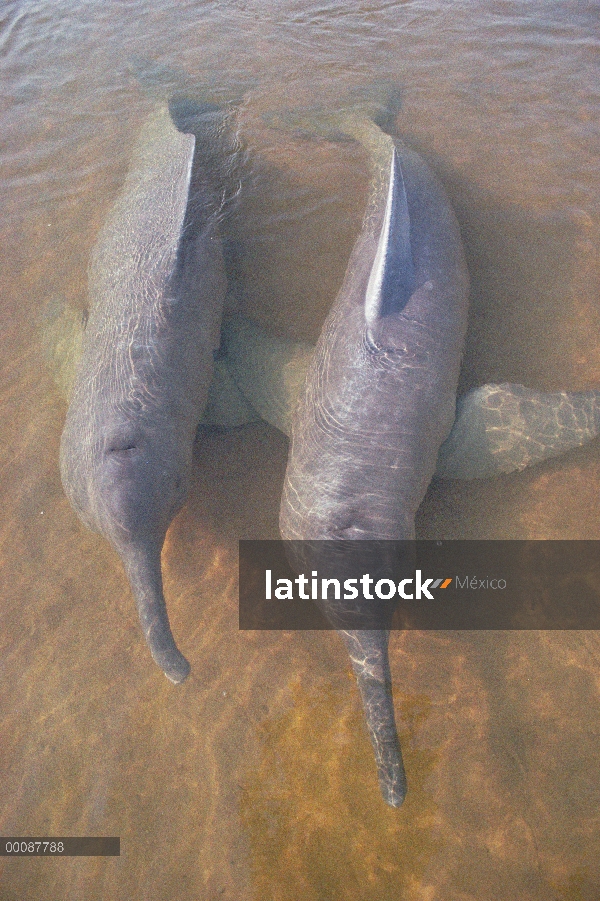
(506, 428)
(61, 328)
(498, 428)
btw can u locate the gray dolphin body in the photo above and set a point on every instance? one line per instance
(498, 428)
(379, 397)
(156, 291)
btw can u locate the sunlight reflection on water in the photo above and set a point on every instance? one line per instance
(254, 779)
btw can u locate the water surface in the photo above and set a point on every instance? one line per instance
(254, 780)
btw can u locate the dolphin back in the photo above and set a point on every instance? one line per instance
(379, 396)
(135, 254)
(156, 291)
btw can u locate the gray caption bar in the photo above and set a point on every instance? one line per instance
(62, 846)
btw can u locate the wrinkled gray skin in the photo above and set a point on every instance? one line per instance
(156, 290)
(379, 398)
(498, 428)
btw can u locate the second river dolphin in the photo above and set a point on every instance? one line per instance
(379, 396)
(156, 292)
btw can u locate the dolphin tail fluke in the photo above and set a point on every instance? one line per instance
(161, 82)
(369, 656)
(378, 103)
(145, 577)
(381, 101)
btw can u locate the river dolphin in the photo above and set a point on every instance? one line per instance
(156, 292)
(499, 428)
(379, 397)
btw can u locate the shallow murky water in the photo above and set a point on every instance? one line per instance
(254, 779)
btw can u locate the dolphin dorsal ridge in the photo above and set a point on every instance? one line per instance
(391, 281)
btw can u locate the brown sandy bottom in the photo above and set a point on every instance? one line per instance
(255, 778)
